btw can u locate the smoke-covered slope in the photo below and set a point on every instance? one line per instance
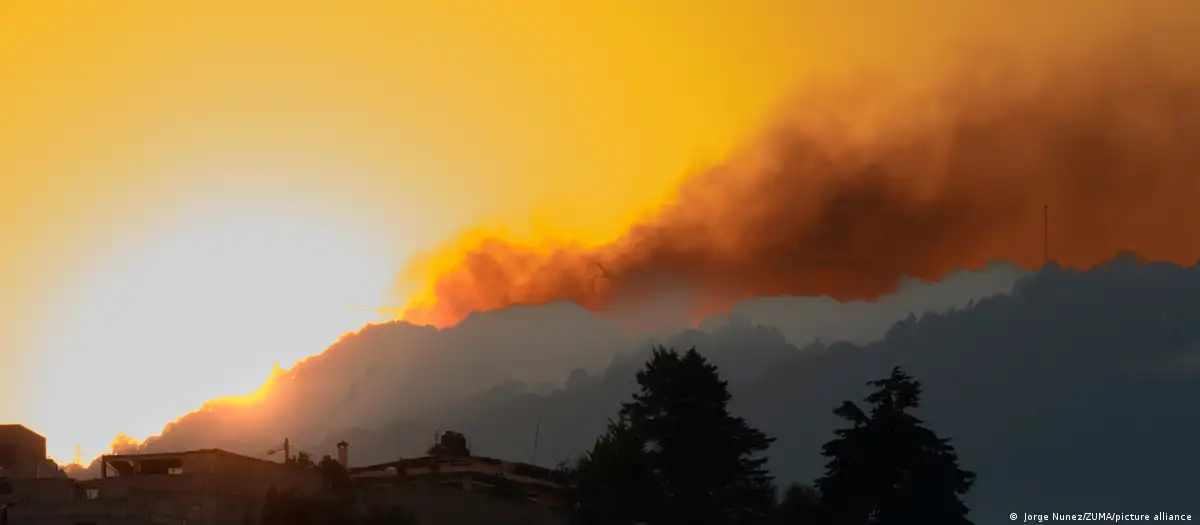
(398, 372)
(1071, 394)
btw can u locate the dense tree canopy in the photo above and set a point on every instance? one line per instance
(887, 468)
(614, 481)
(798, 506)
(676, 456)
(691, 461)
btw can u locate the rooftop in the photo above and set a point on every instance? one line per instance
(201, 451)
(534, 472)
(111, 459)
(172, 462)
(19, 428)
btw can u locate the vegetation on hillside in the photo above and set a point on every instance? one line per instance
(676, 456)
(1070, 351)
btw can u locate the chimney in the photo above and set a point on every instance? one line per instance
(344, 453)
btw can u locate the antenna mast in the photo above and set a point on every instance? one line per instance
(1045, 234)
(537, 429)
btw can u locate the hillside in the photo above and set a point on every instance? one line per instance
(1068, 393)
(399, 372)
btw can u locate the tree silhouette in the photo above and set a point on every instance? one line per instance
(705, 461)
(271, 512)
(613, 482)
(799, 506)
(303, 460)
(335, 474)
(887, 468)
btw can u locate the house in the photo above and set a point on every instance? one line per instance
(199, 487)
(449, 473)
(209, 486)
(22, 452)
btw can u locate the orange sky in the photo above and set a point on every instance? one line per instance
(191, 192)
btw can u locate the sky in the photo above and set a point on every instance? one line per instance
(243, 173)
(913, 141)
(200, 190)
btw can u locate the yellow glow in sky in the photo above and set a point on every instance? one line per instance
(191, 192)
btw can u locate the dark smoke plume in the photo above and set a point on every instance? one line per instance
(856, 187)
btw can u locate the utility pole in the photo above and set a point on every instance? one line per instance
(286, 448)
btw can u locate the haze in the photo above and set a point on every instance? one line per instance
(192, 194)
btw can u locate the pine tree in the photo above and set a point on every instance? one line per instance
(614, 484)
(798, 507)
(706, 461)
(887, 468)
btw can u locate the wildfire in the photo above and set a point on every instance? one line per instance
(865, 186)
(124, 444)
(253, 398)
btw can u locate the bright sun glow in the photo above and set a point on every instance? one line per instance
(202, 312)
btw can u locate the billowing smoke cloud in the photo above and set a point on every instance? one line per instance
(866, 182)
(123, 444)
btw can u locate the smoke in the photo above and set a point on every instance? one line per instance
(123, 444)
(395, 372)
(859, 183)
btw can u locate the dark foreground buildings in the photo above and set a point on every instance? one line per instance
(201, 487)
(22, 452)
(215, 487)
(451, 486)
